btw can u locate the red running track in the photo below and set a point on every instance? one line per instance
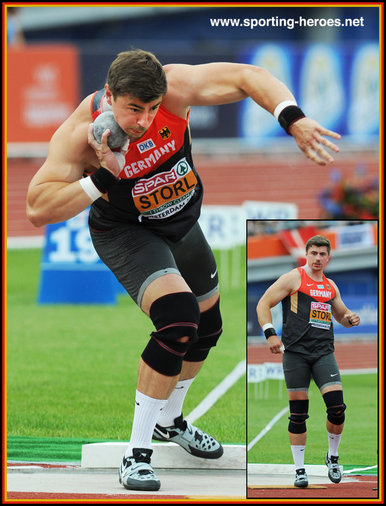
(366, 487)
(228, 180)
(349, 354)
(93, 498)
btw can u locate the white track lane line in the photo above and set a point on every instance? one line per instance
(360, 469)
(217, 392)
(268, 427)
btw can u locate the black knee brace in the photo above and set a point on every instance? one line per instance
(299, 415)
(209, 330)
(335, 406)
(175, 316)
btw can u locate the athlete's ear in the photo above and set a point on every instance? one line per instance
(108, 94)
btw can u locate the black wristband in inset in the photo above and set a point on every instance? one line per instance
(103, 179)
(288, 115)
(270, 332)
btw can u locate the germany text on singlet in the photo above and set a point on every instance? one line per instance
(158, 186)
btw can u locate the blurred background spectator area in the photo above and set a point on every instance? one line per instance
(57, 55)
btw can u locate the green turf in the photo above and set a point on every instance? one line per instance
(360, 436)
(71, 369)
(35, 449)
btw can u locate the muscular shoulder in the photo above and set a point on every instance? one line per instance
(332, 282)
(81, 115)
(291, 280)
(177, 98)
(69, 153)
(70, 139)
(176, 73)
(284, 286)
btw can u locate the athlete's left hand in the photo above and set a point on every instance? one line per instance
(275, 344)
(352, 319)
(309, 137)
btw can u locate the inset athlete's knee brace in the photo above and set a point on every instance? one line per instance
(335, 406)
(209, 330)
(299, 415)
(175, 316)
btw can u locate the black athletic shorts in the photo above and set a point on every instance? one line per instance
(138, 256)
(300, 368)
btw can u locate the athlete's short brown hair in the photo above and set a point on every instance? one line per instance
(137, 73)
(318, 240)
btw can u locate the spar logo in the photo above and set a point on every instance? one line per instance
(321, 306)
(165, 193)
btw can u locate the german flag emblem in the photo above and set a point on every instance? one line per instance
(165, 133)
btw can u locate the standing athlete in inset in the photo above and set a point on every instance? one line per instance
(309, 300)
(145, 206)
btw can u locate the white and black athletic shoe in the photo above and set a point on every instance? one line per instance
(136, 473)
(333, 468)
(192, 439)
(301, 479)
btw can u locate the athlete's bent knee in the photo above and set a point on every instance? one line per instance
(209, 331)
(176, 317)
(298, 417)
(335, 406)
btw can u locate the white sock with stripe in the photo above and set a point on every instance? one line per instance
(298, 455)
(173, 408)
(146, 413)
(333, 444)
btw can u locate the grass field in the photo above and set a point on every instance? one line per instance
(359, 441)
(71, 369)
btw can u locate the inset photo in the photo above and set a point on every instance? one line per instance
(312, 359)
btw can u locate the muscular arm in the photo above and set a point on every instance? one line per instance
(284, 286)
(223, 83)
(341, 313)
(54, 193)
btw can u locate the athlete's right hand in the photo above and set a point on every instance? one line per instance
(275, 344)
(311, 139)
(107, 158)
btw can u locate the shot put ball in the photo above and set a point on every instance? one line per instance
(106, 121)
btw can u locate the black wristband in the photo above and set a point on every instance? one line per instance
(270, 332)
(288, 115)
(103, 179)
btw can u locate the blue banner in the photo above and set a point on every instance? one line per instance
(336, 85)
(71, 271)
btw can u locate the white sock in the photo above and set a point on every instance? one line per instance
(333, 444)
(173, 408)
(146, 413)
(298, 455)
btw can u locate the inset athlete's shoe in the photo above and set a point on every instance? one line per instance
(136, 473)
(301, 479)
(333, 468)
(192, 439)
